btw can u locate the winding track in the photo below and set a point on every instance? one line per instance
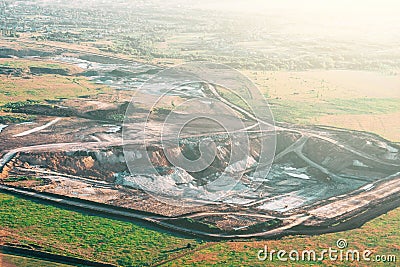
(37, 129)
(158, 220)
(77, 204)
(295, 147)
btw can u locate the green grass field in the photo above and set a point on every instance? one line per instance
(25, 64)
(357, 100)
(129, 244)
(15, 260)
(41, 87)
(90, 237)
(380, 235)
(306, 112)
(44, 86)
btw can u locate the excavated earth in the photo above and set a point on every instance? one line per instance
(314, 166)
(321, 177)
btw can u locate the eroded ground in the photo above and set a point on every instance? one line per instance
(320, 175)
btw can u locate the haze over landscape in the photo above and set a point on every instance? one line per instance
(186, 133)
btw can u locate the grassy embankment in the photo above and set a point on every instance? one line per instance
(81, 235)
(91, 237)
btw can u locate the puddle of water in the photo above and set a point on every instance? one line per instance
(27, 123)
(2, 126)
(301, 175)
(112, 128)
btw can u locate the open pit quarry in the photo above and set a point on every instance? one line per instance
(321, 179)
